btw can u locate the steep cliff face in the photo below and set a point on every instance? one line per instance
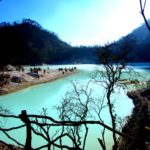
(138, 124)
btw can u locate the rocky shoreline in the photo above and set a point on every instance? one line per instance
(138, 124)
(25, 80)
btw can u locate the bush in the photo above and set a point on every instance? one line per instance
(4, 79)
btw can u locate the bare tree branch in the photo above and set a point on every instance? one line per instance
(12, 138)
(13, 128)
(142, 7)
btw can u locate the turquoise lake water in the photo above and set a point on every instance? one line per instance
(48, 95)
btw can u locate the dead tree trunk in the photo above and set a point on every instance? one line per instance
(23, 116)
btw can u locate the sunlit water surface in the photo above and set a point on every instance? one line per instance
(48, 95)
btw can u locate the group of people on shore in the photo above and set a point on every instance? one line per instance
(37, 70)
(65, 70)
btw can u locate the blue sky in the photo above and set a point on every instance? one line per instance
(78, 22)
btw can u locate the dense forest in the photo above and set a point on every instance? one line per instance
(28, 43)
(142, 36)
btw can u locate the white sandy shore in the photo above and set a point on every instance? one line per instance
(29, 80)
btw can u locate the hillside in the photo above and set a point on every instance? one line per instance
(142, 36)
(29, 43)
(137, 43)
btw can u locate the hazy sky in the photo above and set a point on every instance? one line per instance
(78, 22)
